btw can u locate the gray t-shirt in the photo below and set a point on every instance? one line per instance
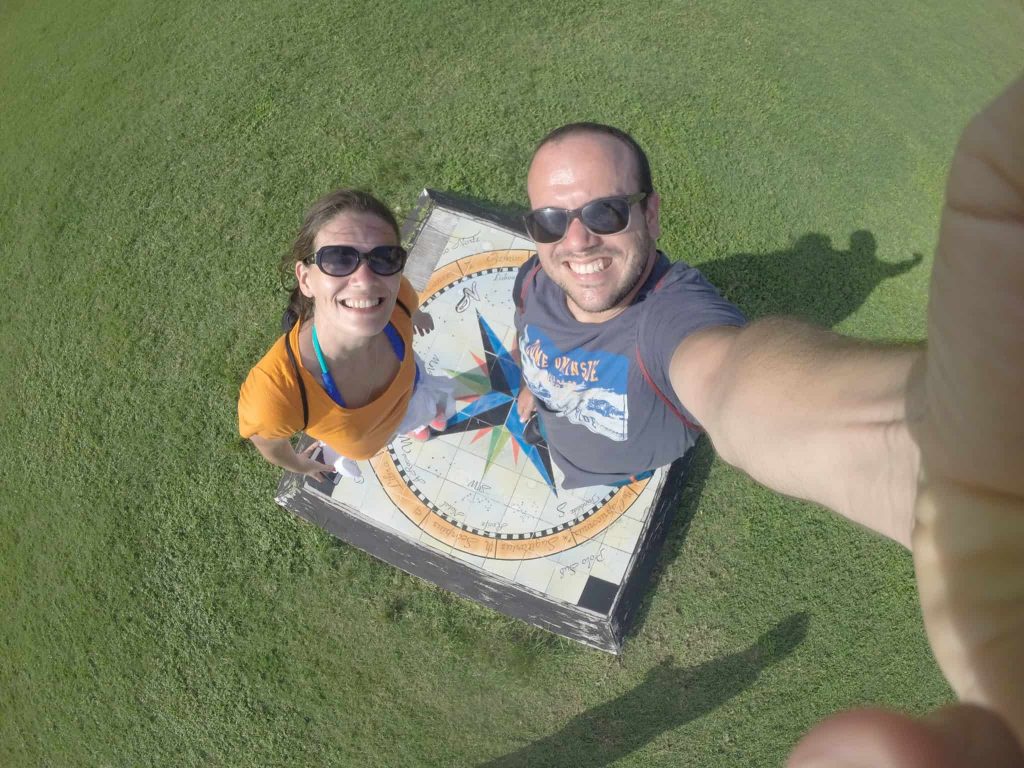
(603, 420)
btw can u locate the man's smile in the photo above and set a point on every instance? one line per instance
(589, 267)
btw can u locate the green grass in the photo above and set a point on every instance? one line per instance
(157, 608)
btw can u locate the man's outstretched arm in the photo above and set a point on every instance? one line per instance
(811, 414)
(899, 439)
(968, 540)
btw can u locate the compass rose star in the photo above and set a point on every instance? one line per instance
(496, 387)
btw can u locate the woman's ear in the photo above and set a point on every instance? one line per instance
(302, 278)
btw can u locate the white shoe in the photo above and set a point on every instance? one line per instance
(348, 468)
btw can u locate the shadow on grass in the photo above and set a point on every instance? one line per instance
(812, 280)
(689, 498)
(668, 697)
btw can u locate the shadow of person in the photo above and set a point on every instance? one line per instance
(811, 280)
(668, 697)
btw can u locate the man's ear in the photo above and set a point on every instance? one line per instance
(302, 278)
(652, 212)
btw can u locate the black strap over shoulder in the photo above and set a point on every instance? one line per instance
(404, 308)
(298, 378)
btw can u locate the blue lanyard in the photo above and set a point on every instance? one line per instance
(397, 345)
(329, 385)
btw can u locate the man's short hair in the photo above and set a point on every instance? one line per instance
(643, 166)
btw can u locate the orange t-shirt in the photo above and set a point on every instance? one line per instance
(269, 404)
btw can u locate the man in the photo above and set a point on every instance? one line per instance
(628, 358)
(926, 447)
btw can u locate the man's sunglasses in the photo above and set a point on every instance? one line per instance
(604, 216)
(342, 260)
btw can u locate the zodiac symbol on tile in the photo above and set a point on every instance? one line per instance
(469, 293)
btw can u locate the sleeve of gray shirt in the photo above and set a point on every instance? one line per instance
(517, 289)
(683, 303)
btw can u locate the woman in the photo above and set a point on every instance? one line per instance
(344, 371)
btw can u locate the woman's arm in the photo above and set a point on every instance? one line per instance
(280, 453)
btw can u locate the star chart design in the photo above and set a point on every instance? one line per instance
(476, 509)
(493, 409)
(469, 487)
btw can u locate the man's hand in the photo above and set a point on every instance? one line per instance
(968, 538)
(526, 403)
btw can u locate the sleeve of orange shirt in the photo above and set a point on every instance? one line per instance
(408, 296)
(268, 406)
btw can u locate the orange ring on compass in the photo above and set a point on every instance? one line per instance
(465, 538)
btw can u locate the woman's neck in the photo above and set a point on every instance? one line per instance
(337, 347)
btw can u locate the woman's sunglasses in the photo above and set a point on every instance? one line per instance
(604, 216)
(342, 260)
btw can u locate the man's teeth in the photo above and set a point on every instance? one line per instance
(361, 303)
(599, 265)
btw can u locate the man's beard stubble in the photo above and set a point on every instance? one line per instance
(630, 281)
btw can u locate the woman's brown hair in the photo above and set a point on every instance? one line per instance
(317, 215)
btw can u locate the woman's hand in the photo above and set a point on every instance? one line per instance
(280, 453)
(310, 467)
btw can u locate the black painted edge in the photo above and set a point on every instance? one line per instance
(604, 632)
(459, 204)
(635, 588)
(487, 589)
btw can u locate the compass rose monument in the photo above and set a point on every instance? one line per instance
(478, 509)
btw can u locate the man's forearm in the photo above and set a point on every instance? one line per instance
(821, 417)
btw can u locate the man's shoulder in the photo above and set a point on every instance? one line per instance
(527, 274)
(682, 302)
(680, 287)
(678, 275)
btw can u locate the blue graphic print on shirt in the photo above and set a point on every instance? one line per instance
(586, 387)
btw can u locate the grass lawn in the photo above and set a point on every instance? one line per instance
(157, 608)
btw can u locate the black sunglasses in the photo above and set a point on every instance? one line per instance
(604, 216)
(342, 260)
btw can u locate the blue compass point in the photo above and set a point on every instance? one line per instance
(497, 409)
(538, 454)
(501, 368)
